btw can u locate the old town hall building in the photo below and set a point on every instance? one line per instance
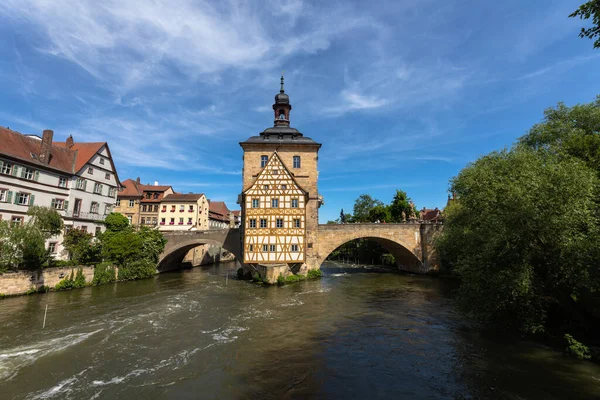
(280, 200)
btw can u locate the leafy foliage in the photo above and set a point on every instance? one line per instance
(362, 206)
(576, 349)
(46, 220)
(82, 247)
(140, 269)
(74, 281)
(116, 222)
(590, 9)
(314, 273)
(400, 204)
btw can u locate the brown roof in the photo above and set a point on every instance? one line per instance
(183, 197)
(130, 189)
(236, 212)
(218, 210)
(428, 214)
(152, 188)
(19, 146)
(85, 151)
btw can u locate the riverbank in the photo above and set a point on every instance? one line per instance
(23, 282)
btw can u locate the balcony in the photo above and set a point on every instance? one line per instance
(85, 215)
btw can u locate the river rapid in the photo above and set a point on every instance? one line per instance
(201, 333)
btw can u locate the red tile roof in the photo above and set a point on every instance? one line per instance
(218, 210)
(152, 188)
(19, 146)
(85, 151)
(130, 189)
(183, 197)
(428, 214)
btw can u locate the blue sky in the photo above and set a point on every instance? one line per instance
(402, 94)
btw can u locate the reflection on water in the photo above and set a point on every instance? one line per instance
(195, 334)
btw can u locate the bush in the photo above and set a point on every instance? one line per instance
(43, 289)
(280, 280)
(79, 281)
(104, 273)
(31, 291)
(140, 269)
(577, 349)
(314, 273)
(256, 277)
(295, 278)
(74, 281)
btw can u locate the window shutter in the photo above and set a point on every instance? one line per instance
(84, 185)
(1, 165)
(16, 198)
(66, 205)
(101, 188)
(9, 196)
(53, 203)
(36, 177)
(31, 199)
(15, 170)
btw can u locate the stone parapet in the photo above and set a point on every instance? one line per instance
(20, 282)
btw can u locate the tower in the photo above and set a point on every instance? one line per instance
(279, 199)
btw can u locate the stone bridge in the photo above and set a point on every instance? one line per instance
(410, 243)
(179, 243)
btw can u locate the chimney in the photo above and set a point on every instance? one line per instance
(46, 146)
(137, 180)
(155, 183)
(69, 142)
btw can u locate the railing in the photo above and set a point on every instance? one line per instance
(85, 215)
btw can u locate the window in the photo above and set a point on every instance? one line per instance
(283, 187)
(294, 248)
(164, 208)
(23, 199)
(4, 196)
(112, 191)
(190, 221)
(131, 203)
(94, 207)
(98, 188)
(52, 247)
(172, 208)
(263, 161)
(272, 247)
(266, 187)
(27, 173)
(255, 203)
(154, 219)
(296, 161)
(172, 222)
(252, 223)
(156, 208)
(148, 195)
(274, 203)
(263, 223)
(181, 208)
(106, 209)
(265, 247)
(16, 220)
(155, 196)
(107, 176)
(250, 247)
(80, 184)
(98, 231)
(91, 171)
(7, 168)
(143, 220)
(181, 221)
(191, 209)
(130, 219)
(101, 161)
(83, 228)
(294, 203)
(162, 221)
(297, 223)
(279, 223)
(57, 204)
(144, 208)
(275, 172)
(62, 182)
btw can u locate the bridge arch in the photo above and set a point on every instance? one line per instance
(180, 243)
(403, 241)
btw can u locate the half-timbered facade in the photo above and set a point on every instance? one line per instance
(275, 218)
(279, 198)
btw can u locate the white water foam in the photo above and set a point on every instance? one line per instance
(60, 389)
(13, 360)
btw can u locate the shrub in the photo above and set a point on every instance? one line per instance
(79, 281)
(2, 295)
(577, 349)
(140, 269)
(314, 273)
(280, 280)
(104, 273)
(292, 279)
(43, 289)
(30, 291)
(66, 283)
(256, 277)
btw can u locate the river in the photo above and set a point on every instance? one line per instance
(201, 333)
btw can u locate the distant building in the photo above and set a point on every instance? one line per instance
(236, 218)
(79, 180)
(128, 201)
(152, 195)
(430, 215)
(140, 203)
(182, 212)
(219, 216)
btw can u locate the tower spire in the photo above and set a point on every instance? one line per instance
(282, 107)
(281, 90)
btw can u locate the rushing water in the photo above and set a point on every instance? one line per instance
(195, 334)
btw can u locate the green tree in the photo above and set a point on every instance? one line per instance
(590, 9)
(116, 222)
(153, 243)
(379, 213)
(524, 238)
(80, 247)
(121, 247)
(400, 204)
(363, 205)
(46, 220)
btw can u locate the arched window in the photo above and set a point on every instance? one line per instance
(281, 114)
